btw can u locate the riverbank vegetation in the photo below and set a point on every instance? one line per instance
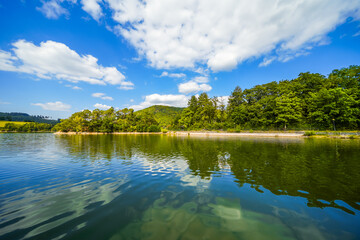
(309, 102)
(125, 120)
(7, 126)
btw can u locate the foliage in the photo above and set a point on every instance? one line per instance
(26, 127)
(154, 128)
(309, 133)
(2, 123)
(310, 101)
(107, 121)
(164, 115)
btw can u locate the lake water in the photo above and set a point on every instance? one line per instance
(162, 187)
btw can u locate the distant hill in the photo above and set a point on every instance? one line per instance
(165, 115)
(24, 117)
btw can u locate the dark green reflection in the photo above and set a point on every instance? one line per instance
(324, 171)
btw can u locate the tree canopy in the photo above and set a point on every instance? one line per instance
(310, 101)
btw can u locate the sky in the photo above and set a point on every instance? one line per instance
(58, 57)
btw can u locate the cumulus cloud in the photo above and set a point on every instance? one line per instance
(93, 8)
(53, 106)
(7, 61)
(54, 60)
(197, 84)
(193, 87)
(102, 96)
(173, 75)
(101, 106)
(52, 9)
(222, 34)
(167, 100)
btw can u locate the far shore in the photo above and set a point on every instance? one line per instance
(197, 133)
(290, 134)
(280, 134)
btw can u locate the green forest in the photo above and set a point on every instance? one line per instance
(309, 102)
(125, 120)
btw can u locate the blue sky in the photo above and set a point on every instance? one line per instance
(61, 56)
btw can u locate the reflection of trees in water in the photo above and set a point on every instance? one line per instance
(322, 171)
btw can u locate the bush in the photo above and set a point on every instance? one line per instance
(154, 128)
(309, 133)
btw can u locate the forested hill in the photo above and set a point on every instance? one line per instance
(24, 117)
(164, 115)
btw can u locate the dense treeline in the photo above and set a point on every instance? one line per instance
(311, 101)
(27, 127)
(125, 120)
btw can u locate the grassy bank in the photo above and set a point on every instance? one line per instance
(2, 123)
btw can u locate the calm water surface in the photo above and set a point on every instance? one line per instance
(161, 187)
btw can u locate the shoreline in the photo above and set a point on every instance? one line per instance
(270, 134)
(192, 133)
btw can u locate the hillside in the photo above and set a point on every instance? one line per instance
(165, 115)
(24, 117)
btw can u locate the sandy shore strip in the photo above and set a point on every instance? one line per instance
(190, 133)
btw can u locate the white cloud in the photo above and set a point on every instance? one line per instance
(223, 100)
(167, 100)
(53, 106)
(102, 106)
(222, 34)
(197, 84)
(73, 87)
(54, 60)
(266, 61)
(173, 75)
(126, 86)
(6, 61)
(201, 79)
(52, 9)
(93, 8)
(193, 87)
(102, 96)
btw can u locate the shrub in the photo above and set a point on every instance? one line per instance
(309, 133)
(154, 128)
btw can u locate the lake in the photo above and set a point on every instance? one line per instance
(163, 187)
